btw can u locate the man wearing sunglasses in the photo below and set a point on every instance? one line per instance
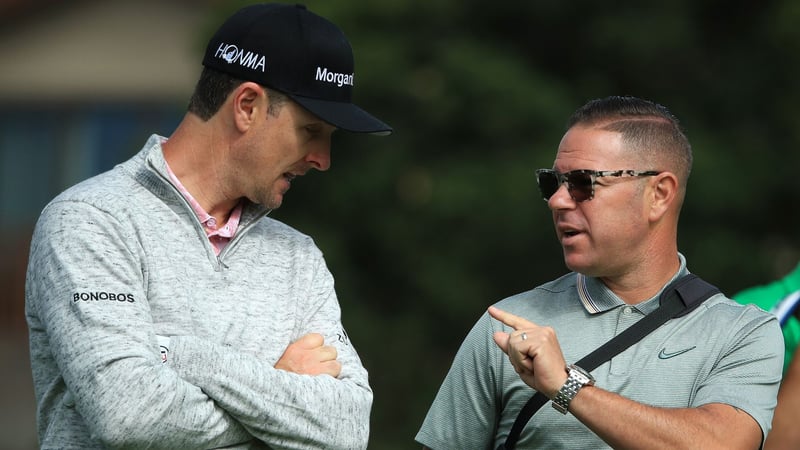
(706, 380)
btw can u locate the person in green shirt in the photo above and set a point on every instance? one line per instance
(781, 297)
(777, 297)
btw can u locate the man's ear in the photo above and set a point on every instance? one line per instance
(248, 100)
(663, 194)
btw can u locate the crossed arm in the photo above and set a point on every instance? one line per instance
(102, 357)
(310, 356)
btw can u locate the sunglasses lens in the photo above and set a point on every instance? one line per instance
(580, 186)
(548, 183)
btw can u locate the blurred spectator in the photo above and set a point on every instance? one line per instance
(781, 297)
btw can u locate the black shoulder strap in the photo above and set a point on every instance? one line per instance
(689, 292)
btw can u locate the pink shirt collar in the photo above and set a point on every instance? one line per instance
(218, 236)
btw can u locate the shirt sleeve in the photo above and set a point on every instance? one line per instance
(747, 374)
(280, 408)
(464, 413)
(93, 337)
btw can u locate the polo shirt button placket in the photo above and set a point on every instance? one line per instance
(627, 316)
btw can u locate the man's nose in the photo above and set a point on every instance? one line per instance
(320, 157)
(561, 199)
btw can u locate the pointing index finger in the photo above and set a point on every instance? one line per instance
(509, 319)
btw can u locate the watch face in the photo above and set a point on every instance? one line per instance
(582, 373)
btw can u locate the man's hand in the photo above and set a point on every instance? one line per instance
(534, 352)
(310, 356)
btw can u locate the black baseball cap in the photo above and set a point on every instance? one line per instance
(292, 50)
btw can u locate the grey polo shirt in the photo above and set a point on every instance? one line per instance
(722, 352)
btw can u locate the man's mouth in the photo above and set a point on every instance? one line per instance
(567, 231)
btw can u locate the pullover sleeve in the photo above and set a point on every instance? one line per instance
(93, 347)
(280, 408)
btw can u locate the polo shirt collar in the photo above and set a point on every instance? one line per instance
(597, 298)
(153, 156)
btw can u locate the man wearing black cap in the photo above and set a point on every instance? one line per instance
(165, 310)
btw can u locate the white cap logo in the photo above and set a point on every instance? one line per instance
(230, 53)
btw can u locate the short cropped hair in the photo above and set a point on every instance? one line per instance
(647, 128)
(214, 87)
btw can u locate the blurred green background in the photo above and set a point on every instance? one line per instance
(426, 228)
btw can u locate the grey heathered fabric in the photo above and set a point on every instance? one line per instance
(722, 352)
(121, 259)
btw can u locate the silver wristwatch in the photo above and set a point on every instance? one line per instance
(576, 379)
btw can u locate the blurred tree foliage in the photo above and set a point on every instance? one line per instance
(426, 228)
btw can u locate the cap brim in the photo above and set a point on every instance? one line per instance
(345, 116)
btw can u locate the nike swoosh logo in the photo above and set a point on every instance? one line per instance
(664, 355)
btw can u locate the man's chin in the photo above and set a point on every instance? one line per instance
(273, 202)
(579, 265)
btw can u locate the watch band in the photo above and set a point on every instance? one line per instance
(576, 379)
